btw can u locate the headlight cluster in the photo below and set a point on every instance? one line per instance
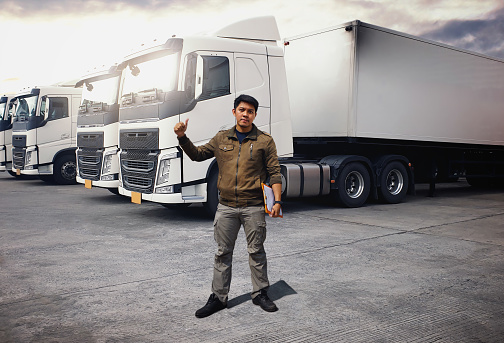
(107, 163)
(30, 159)
(164, 171)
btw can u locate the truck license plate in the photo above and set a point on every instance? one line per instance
(136, 197)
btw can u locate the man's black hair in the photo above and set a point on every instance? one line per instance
(248, 99)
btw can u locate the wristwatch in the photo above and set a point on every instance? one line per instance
(279, 202)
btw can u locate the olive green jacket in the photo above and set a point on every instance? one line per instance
(242, 167)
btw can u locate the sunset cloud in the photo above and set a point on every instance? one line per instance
(53, 40)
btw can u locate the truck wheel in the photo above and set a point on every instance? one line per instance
(354, 185)
(212, 193)
(394, 183)
(65, 170)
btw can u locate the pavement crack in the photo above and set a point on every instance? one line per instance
(398, 232)
(104, 287)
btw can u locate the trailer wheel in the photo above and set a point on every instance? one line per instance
(354, 185)
(65, 170)
(212, 193)
(394, 183)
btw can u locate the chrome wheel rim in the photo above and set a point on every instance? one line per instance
(394, 182)
(69, 170)
(354, 184)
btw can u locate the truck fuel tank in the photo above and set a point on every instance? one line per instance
(305, 179)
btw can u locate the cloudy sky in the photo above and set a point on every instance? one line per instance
(49, 41)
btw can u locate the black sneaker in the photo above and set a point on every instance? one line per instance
(213, 305)
(264, 301)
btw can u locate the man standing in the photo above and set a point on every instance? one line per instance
(246, 157)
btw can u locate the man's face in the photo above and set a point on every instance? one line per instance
(245, 114)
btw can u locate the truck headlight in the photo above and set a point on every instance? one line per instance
(164, 171)
(164, 167)
(28, 157)
(107, 163)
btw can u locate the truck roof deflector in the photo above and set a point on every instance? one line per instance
(258, 28)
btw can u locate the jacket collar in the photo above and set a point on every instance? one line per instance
(252, 135)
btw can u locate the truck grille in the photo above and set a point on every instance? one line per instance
(19, 141)
(137, 182)
(90, 140)
(18, 157)
(138, 169)
(90, 163)
(139, 139)
(139, 166)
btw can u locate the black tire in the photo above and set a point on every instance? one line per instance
(393, 183)
(212, 193)
(354, 185)
(65, 170)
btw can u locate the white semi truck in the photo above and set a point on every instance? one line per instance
(351, 108)
(6, 117)
(97, 130)
(44, 133)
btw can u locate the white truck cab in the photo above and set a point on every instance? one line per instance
(196, 78)
(97, 130)
(7, 110)
(44, 133)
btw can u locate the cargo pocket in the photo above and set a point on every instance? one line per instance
(226, 152)
(256, 237)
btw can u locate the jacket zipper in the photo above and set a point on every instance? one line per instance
(236, 177)
(251, 146)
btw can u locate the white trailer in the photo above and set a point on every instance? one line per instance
(97, 130)
(6, 117)
(44, 133)
(384, 98)
(350, 108)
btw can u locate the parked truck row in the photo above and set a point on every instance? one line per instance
(356, 111)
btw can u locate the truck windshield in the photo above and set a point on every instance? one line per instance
(158, 74)
(101, 91)
(26, 107)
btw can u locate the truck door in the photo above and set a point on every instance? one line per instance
(210, 80)
(251, 75)
(54, 134)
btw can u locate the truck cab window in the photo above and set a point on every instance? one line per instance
(215, 77)
(58, 108)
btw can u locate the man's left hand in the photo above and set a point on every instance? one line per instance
(275, 211)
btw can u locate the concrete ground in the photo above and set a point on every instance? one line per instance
(79, 265)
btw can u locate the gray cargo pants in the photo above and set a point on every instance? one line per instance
(227, 223)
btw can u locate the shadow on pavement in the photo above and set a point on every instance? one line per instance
(276, 291)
